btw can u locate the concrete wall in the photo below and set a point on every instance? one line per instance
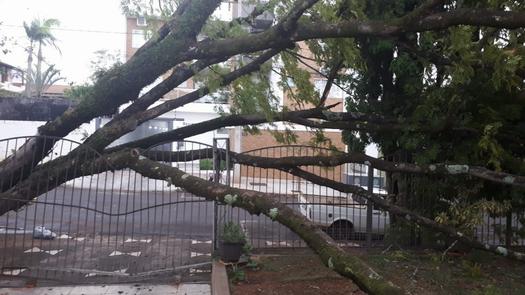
(32, 109)
(10, 129)
(272, 149)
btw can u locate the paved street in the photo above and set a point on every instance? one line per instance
(115, 212)
(114, 236)
(155, 213)
(124, 236)
(114, 241)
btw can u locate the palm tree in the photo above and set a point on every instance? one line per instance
(38, 32)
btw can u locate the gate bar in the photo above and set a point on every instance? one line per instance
(369, 207)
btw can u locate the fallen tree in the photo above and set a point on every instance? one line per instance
(257, 203)
(292, 165)
(416, 80)
(145, 163)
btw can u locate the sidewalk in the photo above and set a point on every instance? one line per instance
(128, 289)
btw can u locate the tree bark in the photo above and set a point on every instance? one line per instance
(29, 75)
(257, 203)
(336, 158)
(115, 88)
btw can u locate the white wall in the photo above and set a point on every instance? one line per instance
(191, 113)
(10, 129)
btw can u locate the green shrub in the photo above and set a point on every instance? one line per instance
(232, 233)
(471, 269)
(237, 274)
(206, 164)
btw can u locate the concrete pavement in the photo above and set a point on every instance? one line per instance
(129, 289)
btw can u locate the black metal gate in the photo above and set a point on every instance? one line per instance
(108, 225)
(345, 217)
(113, 226)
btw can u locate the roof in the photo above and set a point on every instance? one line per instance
(9, 66)
(56, 89)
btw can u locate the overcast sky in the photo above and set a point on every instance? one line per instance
(85, 27)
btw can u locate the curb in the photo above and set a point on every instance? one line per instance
(219, 279)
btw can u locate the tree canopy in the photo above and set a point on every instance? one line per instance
(39, 34)
(439, 83)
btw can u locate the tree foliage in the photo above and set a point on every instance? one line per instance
(464, 82)
(39, 34)
(438, 85)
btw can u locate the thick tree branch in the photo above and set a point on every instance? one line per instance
(126, 121)
(329, 81)
(114, 88)
(335, 158)
(406, 214)
(257, 11)
(224, 81)
(125, 82)
(336, 120)
(355, 28)
(289, 23)
(213, 124)
(166, 28)
(268, 204)
(339, 158)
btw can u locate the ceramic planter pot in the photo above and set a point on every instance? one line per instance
(230, 252)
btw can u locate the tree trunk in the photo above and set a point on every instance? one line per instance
(29, 75)
(38, 81)
(257, 203)
(115, 88)
(408, 215)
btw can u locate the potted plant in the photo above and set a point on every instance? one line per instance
(232, 242)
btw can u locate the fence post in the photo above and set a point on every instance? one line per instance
(369, 207)
(227, 161)
(216, 172)
(508, 230)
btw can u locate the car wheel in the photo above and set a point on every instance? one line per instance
(341, 230)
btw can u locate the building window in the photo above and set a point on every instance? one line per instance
(141, 21)
(138, 38)
(335, 91)
(290, 82)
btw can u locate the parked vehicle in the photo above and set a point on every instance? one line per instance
(342, 217)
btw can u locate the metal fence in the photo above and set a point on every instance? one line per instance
(505, 228)
(105, 225)
(342, 215)
(112, 226)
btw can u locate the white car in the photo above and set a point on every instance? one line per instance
(342, 217)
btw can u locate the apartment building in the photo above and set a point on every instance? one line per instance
(11, 78)
(205, 108)
(201, 110)
(241, 141)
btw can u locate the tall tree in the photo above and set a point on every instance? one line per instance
(39, 34)
(463, 77)
(442, 80)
